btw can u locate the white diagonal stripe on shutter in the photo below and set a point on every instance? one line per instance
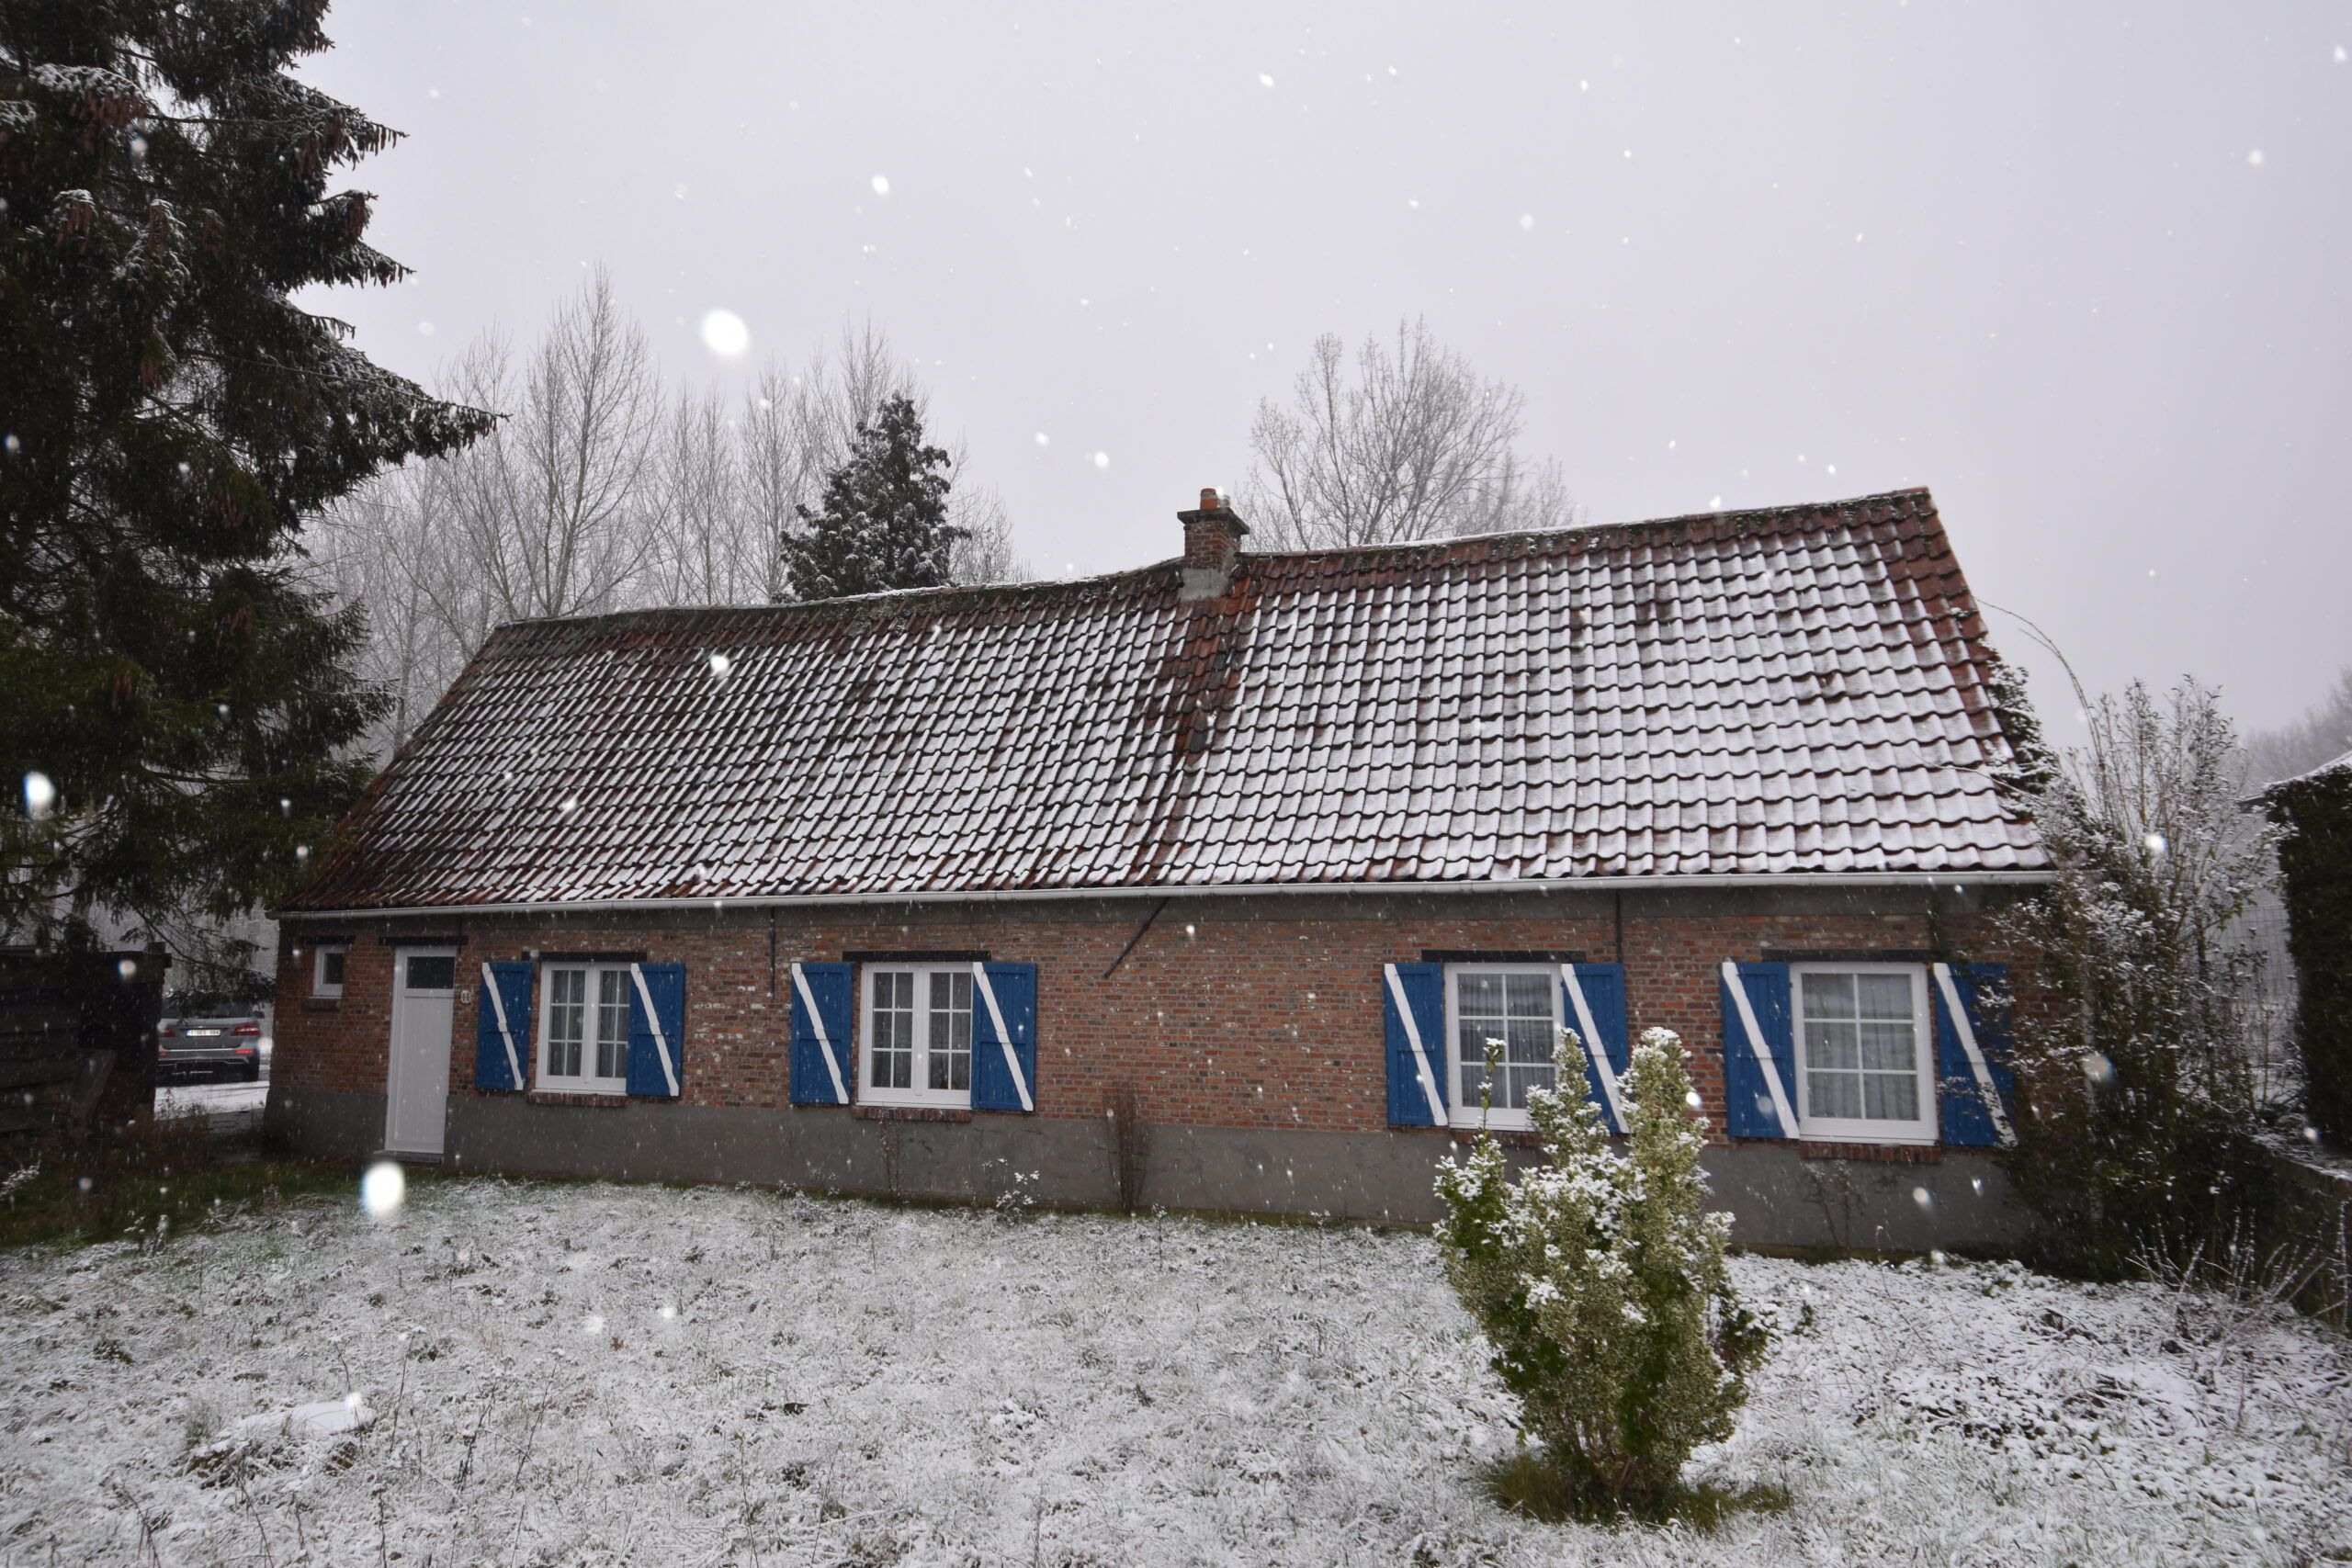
(661, 1040)
(1763, 1052)
(498, 1006)
(1595, 1048)
(1003, 1035)
(1413, 1037)
(1966, 1029)
(824, 1042)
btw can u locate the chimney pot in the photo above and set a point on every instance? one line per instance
(1212, 537)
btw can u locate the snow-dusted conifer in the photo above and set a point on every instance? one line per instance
(169, 416)
(882, 522)
(1600, 1281)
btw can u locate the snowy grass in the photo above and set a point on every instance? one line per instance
(606, 1374)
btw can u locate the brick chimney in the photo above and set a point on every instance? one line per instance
(1211, 539)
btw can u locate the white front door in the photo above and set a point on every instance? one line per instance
(416, 1090)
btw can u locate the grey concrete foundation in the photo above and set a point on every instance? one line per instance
(1778, 1199)
(322, 1126)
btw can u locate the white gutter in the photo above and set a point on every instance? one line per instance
(1957, 881)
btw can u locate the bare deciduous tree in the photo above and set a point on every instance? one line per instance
(601, 491)
(2321, 735)
(552, 513)
(1407, 442)
(378, 548)
(983, 550)
(847, 390)
(781, 465)
(707, 547)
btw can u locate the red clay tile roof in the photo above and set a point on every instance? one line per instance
(1795, 691)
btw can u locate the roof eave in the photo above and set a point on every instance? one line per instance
(1956, 878)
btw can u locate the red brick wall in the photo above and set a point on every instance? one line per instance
(1234, 1012)
(339, 1046)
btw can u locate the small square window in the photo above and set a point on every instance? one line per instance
(1864, 1053)
(917, 1042)
(326, 969)
(583, 1028)
(1514, 1009)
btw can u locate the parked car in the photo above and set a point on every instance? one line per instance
(201, 1034)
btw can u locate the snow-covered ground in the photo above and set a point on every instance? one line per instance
(232, 1103)
(605, 1374)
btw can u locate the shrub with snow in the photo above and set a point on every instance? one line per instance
(2142, 1055)
(1599, 1280)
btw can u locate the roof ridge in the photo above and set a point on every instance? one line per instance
(1786, 512)
(879, 596)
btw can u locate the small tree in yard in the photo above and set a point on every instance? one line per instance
(2141, 1093)
(1600, 1281)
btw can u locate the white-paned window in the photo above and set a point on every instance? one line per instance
(916, 1045)
(1516, 1007)
(583, 1028)
(1864, 1053)
(326, 968)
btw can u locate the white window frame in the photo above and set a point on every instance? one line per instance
(918, 1095)
(1467, 1114)
(320, 984)
(587, 1082)
(1862, 1130)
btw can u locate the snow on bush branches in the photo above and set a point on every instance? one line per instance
(1600, 1281)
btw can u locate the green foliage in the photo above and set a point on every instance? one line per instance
(1530, 1482)
(155, 1182)
(1599, 1280)
(2141, 1093)
(2029, 766)
(883, 523)
(168, 417)
(2314, 815)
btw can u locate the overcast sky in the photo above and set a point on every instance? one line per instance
(2081, 269)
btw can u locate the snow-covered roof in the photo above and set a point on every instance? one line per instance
(2339, 764)
(1800, 690)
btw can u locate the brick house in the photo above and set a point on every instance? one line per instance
(1202, 884)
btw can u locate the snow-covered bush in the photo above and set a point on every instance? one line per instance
(1599, 1280)
(2143, 1090)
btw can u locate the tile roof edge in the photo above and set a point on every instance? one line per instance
(1990, 876)
(343, 838)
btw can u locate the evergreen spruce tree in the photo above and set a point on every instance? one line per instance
(174, 699)
(883, 523)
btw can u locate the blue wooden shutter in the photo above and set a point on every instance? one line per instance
(657, 1034)
(1004, 1079)
(502, 1040)
(1751, 1108)
(1412, 998)
(1602, 987)
(1970, 1118)
(823, 1064)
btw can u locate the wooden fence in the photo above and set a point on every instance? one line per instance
(77, 1040)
